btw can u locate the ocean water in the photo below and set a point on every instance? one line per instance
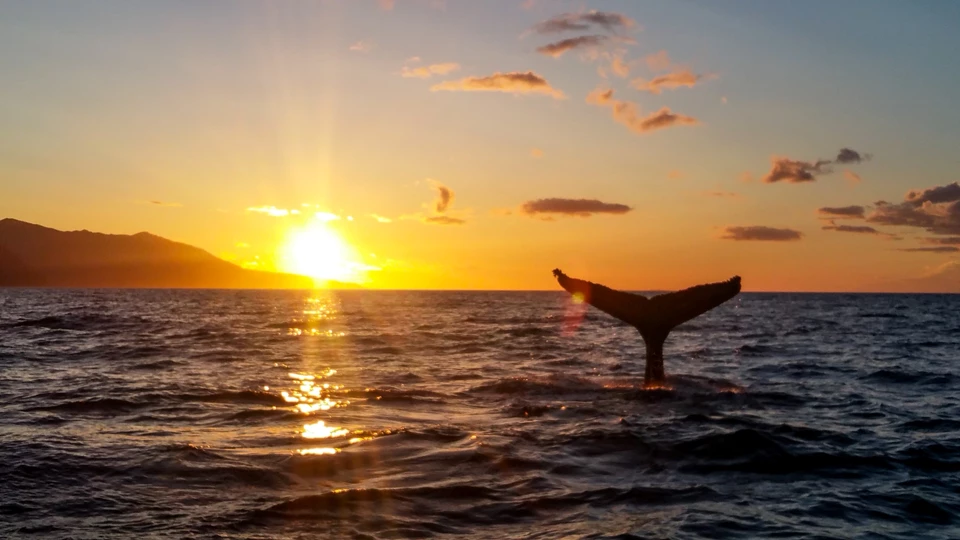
(256, 414)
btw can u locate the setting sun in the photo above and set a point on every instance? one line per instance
(316, 251)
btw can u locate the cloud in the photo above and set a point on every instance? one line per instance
(443, 220)
(618, 66)
(852, 177)
(658, 61)
(363, 46)
(935, 209)
(571, 207)
(425, 72)
(860, 229)
(512, 83)
(794, 171)
(940, 249)
(273, 211)
(386, 4)
(567, 22)
(841, 211)
(444, 198)
(721, 194)
(166, 204)
(761, 233)
(528, 4)
(326, 216)
(677, 79)
(675, 174)
(628, 113)
(439, 208)
(536, 153)
(848, 155)
(381, 219)
(947, 241)
(557, 49)
(746, 177)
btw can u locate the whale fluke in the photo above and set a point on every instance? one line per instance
(653, 317)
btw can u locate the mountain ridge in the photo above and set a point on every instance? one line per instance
(33, 255)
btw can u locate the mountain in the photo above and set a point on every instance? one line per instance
(36, 256)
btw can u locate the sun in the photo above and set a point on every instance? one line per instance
(318, 252)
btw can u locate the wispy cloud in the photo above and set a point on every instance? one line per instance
(852, 177)
(628, 113)
(658, 61)
(363, 46)
(557, 49)
(425, 72)
(536, 153)
(859, 229)
(273, 211)
(841, 211)
(676, 79)
(943, 241)
(166, 204)
(512, 83)
(386, 4)
(569, 22)
(381, 219)
(571, 207)
(940, 249)
(675, 174)
(444, 220)
(760, 233)
(721, 194)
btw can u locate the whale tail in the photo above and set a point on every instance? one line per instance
(653, 317)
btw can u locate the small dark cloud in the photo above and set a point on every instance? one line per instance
(571, 22)
(722, 194)
(166, 204)
(444, 198)
(794, 171)
(841, 211)
(761, 233)
(444, 220)
(572, 207)
(849, 155)
(558, 48)
(940, 249)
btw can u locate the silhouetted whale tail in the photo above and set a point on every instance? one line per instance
(654, 317)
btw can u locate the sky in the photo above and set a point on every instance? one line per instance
(428, 144)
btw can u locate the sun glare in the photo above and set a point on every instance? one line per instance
(318, 252)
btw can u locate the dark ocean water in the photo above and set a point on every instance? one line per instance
(205, 414)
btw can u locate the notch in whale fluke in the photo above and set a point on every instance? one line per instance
(653, 317)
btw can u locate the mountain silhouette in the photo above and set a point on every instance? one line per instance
(36, 256)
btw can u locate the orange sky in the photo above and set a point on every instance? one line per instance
(480, 145)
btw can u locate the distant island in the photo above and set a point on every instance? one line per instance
(36, 256)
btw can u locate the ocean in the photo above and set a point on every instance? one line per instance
(374, 414)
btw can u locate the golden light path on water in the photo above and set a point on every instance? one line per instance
(312, 394)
